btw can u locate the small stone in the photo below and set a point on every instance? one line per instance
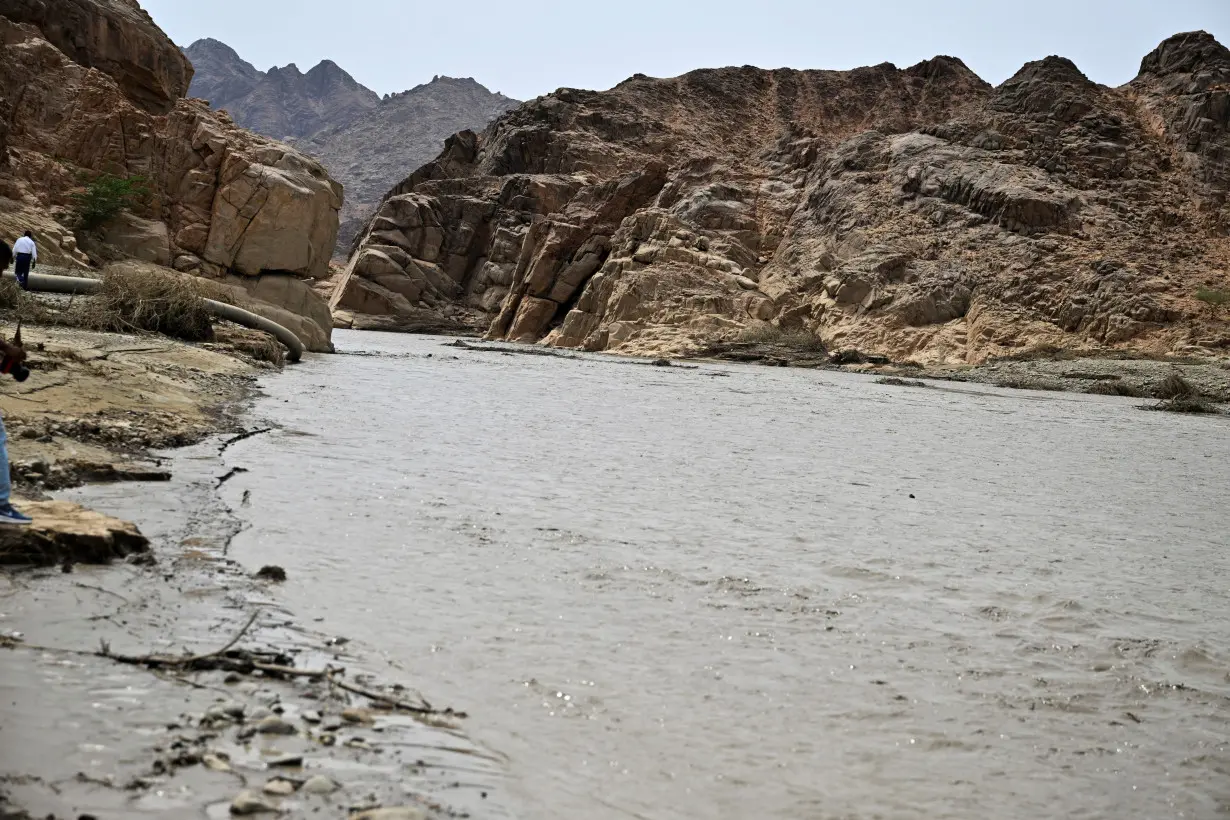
(287, 761)
(225, 712)
(232, 677)
(271, 572)
(319, 784)
(248, 803)
(215, 763)
(279, 787)
(260, 713)
(391, 813)
(354, 714)
(312, 716)
(274, 725)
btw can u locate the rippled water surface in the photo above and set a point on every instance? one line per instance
(735, 592)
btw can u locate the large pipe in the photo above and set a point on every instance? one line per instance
(47, 283)
(233, 313)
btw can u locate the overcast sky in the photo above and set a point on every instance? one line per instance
(532, 47)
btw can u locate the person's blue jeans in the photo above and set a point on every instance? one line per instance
(6, 483)
(21, 269)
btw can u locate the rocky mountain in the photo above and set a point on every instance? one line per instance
(94, 86)
(366, 142)
(404, 132)
(283, 103)
(918, 213)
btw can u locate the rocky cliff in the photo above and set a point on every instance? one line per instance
(93, 86)
(372, 152)
(366, 142)
(918, 213)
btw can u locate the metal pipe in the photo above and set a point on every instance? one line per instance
(47, 283)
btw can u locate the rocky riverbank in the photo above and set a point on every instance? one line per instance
(173, 682)
(178, 686)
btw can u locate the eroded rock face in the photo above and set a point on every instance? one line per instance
(912, 212)
(116, 37)
(223, 200)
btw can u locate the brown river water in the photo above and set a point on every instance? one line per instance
(736, 592)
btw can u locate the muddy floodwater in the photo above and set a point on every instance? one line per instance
(736, 592)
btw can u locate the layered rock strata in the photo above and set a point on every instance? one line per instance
(917, 213)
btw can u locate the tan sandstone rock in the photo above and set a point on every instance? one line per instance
(107, 97)
(118, 38)
(916, 213)
(63, 531)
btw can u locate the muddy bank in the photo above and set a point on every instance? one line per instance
(173, 683)
(176, 685)
(96, 404)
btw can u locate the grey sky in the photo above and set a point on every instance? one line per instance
(532, 47)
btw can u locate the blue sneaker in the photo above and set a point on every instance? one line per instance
(8, 515)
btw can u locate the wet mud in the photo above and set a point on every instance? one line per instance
(179, 685)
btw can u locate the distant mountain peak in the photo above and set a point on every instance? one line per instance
(368, 143)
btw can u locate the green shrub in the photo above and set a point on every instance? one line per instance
(1214, 297)
(104, 197)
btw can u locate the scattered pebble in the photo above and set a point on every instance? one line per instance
(279, 787)
(271, 572)
(312, 716)
(224, 713)
(274, 725)
(287, 761)
(353, 714)
(260, 713)
(319, 784)
(248, 803)
(215, 763)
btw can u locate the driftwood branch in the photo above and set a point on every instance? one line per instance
(244, 662)
(189, 662)
(388, 700)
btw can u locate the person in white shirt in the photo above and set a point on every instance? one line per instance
(25, 255)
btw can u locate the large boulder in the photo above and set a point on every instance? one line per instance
(143, 239)
(290, 302)
(222, 200)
